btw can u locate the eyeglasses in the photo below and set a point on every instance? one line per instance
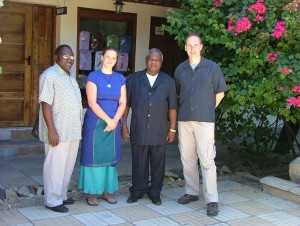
(66, 57)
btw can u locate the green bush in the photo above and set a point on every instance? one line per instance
(256, 43)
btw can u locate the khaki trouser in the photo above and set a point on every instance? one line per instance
(196, 139)
(58, 167)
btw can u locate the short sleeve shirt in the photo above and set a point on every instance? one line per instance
(62, 92)
(197, 90)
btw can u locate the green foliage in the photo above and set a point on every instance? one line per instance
(257, 87)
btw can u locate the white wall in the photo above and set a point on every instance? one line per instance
(66, 30)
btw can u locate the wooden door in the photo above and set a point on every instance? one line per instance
(167, 44)
(21, 61)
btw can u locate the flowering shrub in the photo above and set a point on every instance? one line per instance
(257, 45)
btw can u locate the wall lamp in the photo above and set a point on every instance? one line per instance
(119, 6)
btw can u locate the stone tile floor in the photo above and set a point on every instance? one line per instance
(239, 204)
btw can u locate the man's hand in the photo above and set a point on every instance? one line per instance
(170, 137)
(125, 132)
(53, 137)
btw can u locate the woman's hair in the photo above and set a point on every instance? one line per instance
(109, 48)
(155, 50)
(60, 48)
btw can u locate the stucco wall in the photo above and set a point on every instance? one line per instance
(67, 24)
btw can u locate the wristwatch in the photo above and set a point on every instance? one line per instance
(172, 130)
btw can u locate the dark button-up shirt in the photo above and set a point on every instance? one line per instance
(197, 90)
(150, 105)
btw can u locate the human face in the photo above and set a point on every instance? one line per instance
(109, 59)
(193, 47)
(64, 59)
(153, 63)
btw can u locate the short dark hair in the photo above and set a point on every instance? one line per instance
(60, 48)
(193, 35)
(110, 48)
(155, 50)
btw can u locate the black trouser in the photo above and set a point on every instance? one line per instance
(142, 155)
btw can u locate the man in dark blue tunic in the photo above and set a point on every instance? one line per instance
(151, 95)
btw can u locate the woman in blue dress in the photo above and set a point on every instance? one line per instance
(101, 135)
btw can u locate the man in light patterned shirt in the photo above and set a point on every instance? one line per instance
(60, 127)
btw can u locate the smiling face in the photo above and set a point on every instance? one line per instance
(109, 58)
(193, 47)
(65, 59)
(153, 63)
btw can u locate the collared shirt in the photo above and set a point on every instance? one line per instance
(62, 92)
(150, 106)
(197, 90)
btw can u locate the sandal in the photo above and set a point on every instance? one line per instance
(92, 202)
(109, 199)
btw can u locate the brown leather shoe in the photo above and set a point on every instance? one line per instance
(212, 209)
(187, 199)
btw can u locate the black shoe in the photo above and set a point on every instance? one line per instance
(68, 201)
(187, 199)
(156, 201)
(60, 208)
(132, 199)
(212, 209)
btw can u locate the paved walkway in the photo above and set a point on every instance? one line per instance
(239, 204)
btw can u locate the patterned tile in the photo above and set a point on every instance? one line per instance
(251, 193)
(249, 221)
(90, 219)
(156, 221)
(253, 207)
(67, 220)
(229, 198)
(280, 218)
(11, 217)
(135, 213)
(278, 203)
(229, 186)
(173, 193)
(227, 213)
(193, 218)
(39, 213)
(109, 217)
(168, 208)
(82, 207)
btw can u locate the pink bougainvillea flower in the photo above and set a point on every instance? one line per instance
(259, 7)
(216, 2)
(272, 57)
(293, 101)
(261, 37)
(279, 29)
(285, 70)
(256, 48)
(258, 18)
(245, 48)
(242, 25)
(281, 88)
(296, 89)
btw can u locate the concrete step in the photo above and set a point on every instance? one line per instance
(15, 133)
(20, 147)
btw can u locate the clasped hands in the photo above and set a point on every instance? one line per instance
(111, 125)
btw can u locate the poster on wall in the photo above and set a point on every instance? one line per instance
(84, 40)
(98, 61)
(122, 64)
(85, 60)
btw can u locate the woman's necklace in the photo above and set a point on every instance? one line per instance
(108, 81)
